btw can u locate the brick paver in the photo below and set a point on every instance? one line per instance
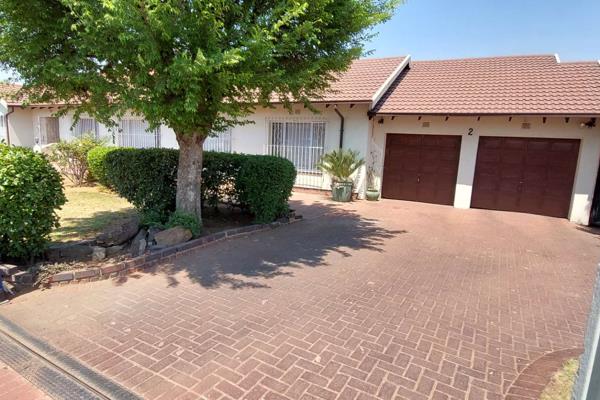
(368, 300)
(14, 387)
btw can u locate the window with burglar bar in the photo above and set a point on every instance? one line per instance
(85, 126)
(302, 143)
(136, 133)
(221, 142)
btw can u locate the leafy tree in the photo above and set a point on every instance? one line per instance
(197, 66)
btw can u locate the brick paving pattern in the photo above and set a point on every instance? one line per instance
(14, 387)
(362, 301)
(532, 381)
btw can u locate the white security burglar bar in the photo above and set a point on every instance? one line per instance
(301, 142)
(221, 142)
(136, 133)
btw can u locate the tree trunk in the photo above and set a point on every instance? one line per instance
(189, 173)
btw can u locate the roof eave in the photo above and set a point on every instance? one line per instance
(487, 114)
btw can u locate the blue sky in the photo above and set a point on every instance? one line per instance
(437, 29)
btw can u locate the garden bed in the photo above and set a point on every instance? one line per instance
(88, 221)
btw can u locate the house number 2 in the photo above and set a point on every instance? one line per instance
(470, 132)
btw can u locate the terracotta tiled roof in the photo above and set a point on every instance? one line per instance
(362, 80)
(497, 85)
(8, 93)
(359, 83)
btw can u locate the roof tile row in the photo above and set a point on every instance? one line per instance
(493, 85)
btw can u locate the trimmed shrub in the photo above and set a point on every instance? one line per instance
(72, 157)
(147, 178)
(30, 193)
(95, 160)
(219, 173)
(264, 185)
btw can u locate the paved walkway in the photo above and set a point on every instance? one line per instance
(368, 300)
(14, 387)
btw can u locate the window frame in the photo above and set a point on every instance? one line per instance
(285, 139)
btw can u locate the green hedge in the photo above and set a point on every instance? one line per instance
(30, 193)
(264, 184)
(147, 178)
(96, 165)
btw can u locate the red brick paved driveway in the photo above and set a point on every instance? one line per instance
(369, 300)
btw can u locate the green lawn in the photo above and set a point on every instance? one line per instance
(87, 211)
(561, 384)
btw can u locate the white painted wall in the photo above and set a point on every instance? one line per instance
(253, 138)
(555, 127)
(368, 137)
(21, 130)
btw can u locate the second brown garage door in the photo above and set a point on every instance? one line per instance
(421, 167)
(532, 175)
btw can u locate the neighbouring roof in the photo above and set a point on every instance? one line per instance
(495, 85)
(8, 93)
(361, 82)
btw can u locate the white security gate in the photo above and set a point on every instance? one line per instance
(301, 142)
(136, 133)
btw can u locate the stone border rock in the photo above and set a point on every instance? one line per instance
(156, 256)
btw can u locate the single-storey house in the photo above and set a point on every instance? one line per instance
(515, 133)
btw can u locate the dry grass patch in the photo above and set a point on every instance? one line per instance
(88, 210)
(561, 385)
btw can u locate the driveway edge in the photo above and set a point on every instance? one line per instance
(54, 371)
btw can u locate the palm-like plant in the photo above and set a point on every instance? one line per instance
(341, 164)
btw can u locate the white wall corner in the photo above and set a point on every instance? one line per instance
(388, 82)
(466, 171)
(3, 107)
(585, 179)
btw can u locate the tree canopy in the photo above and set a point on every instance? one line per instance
(196, 66)
(189, 64)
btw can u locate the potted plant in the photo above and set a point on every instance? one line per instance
(372, 193)
(341, 165)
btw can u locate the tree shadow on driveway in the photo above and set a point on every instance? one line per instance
(246, 262)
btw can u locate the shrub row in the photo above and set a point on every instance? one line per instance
(148, 178)
(30, 193)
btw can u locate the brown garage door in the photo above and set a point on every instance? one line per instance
(532, 175)
(421, 168)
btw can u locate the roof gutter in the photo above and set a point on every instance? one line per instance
(476, 114)
(342, 119)
(388, 82)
